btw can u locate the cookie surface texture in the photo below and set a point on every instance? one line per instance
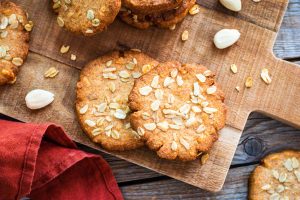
(102, 98)
(165, 19)
(175, 16)
(13, 41)
(277, 177)
(86, 17)
(151, 6)
(178, 109)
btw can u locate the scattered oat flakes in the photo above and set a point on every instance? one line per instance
(150, 126)
(249, 82)
(185, 35)
(17, 61)
(84, 109)
(28, 27)
(73, 57)
(60, 22)
(174, 146)
(64, 49)
(234, 68)
(237, 88)
(194, 10)
(172, 27)
(265, 76)
(51, 72)
(204, 158)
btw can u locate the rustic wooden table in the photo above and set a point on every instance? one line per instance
(261, 136)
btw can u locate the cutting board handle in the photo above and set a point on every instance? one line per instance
(282, 101)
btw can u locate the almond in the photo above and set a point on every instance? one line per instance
(226, 37)
(234, 5)
(37, 99)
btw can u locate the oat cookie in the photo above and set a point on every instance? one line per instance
(150, 6)
(86, 17)
(175, 16)
(165, 19)
(178, 109)
(102, 98)
(277, 177)
(14, 39)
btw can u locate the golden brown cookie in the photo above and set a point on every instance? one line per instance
(138, 21)
(13, 40)
(86, 17)
(102, 98)
(175, 16)
(277, 177)
(165, 19)
(178, 109)
(150, 6)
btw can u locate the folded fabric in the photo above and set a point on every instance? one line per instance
(40, 161)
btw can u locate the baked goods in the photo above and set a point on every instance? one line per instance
(277, 177)
(86, 17)
(151, 6)
(164, 19)
(175, 16)
(14, 38)
(179, 109)
(102, 96)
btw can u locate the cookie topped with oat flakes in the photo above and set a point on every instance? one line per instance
(151, 6)
(14, 40)
(86, 17)
(165, 19)
(179, 109)
(277, 177)
(102, 98)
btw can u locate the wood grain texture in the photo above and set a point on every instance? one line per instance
(288, 40)
(235, 188)
(253, 51)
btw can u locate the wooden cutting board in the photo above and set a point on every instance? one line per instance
(258, 24)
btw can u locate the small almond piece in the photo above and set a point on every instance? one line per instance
(226, 37)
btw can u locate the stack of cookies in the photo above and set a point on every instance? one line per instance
(128, 99)
(161, 13)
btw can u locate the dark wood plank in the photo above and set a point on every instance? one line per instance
(235, 188)
(288, 39)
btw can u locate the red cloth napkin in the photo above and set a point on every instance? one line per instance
(40, 161)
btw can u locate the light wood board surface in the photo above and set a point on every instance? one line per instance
(258, 24)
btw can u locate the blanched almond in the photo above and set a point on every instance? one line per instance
(37, 99)
(226, 37)
(234, 5)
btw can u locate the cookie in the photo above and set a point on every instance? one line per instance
(137, 21)
(86, 17)
(14, 40)
(277, 177)
(164, 20)
(175, 16)
(179, 109)
(150, 6)
(102, 98)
